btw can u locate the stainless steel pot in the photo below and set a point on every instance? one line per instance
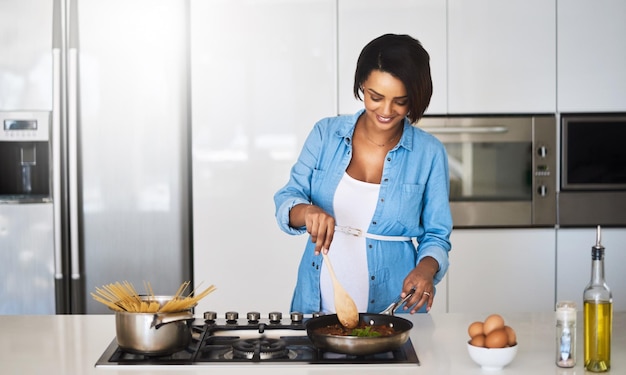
(153, 333)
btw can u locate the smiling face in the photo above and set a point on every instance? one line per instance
(385, 99)
(403, 58)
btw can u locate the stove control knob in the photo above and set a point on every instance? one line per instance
(296, 317)
(210, 315)
(275, 316)
(253, 316)
(232, 316)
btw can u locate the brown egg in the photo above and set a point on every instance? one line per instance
(493, 322)
(475, 329)
(512, 337)
(478, 340)
(496, 339)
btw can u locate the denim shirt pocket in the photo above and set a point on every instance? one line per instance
(412, 199)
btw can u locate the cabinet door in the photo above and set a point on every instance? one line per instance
(360, 21)
(263, 72)
(591, 55)
(25, 55)
(573, 259)
(500, 271)
(501, 56)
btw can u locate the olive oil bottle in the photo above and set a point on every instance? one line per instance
(597, 313)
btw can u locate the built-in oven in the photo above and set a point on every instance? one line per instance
(593, 170)
(502, 168)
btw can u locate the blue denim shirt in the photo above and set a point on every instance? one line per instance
(413, 202)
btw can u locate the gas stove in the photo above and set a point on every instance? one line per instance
(253, 340)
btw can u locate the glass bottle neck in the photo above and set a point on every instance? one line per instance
(597, 272)
(597, 265)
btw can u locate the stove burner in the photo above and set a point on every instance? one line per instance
(261, 348)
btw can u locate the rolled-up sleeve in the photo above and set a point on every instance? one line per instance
(440, 255)
(282, 215)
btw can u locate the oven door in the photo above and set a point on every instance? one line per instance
(501, 169)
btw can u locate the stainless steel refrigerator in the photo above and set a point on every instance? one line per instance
(112, 79)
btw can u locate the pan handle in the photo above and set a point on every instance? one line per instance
(397, 303)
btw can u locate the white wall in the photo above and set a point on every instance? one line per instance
(263, 73)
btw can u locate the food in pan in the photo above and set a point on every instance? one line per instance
(362, 330)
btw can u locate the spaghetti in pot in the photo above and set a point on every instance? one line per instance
(123, 297)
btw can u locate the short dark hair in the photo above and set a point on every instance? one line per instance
(403, 57)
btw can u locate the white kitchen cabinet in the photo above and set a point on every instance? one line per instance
(501, 56)
(262, 73)
(573, 259)
(26, 58)
(591, 55)
(360, 21)
(502, 270)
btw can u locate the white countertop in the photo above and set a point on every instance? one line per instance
(72, 344)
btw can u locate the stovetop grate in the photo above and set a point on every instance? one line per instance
(206, 348)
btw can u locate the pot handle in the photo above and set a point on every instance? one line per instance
(161, 319)
(395, 304)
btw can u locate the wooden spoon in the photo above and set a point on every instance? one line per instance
(346, 309)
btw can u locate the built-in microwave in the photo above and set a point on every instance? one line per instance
(593, 170)
(502, 168)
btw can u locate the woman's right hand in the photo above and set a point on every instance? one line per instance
(319, 224)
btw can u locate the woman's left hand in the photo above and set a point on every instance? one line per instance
(421, 278)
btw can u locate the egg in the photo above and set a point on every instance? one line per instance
(475, 329)
(492, 323)
(478, 340)
(512, 337)
(496, 339)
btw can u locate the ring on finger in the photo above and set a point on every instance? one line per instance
(426, 293)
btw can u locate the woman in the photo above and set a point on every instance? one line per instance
(365, 185)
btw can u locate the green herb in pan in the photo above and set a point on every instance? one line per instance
(364, 332)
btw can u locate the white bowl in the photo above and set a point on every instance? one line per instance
(492, 359)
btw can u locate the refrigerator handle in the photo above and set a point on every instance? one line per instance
(72, 128)
(56, 144)
(73, 150)
(56, 157)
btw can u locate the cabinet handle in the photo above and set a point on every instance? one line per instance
(467, 130)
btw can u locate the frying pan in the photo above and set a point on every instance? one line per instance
(359, 345)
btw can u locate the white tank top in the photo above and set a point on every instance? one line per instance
(354, 204)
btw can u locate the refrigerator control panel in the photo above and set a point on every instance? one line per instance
(24, 126)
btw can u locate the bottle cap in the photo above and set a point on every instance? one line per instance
(566, 310)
